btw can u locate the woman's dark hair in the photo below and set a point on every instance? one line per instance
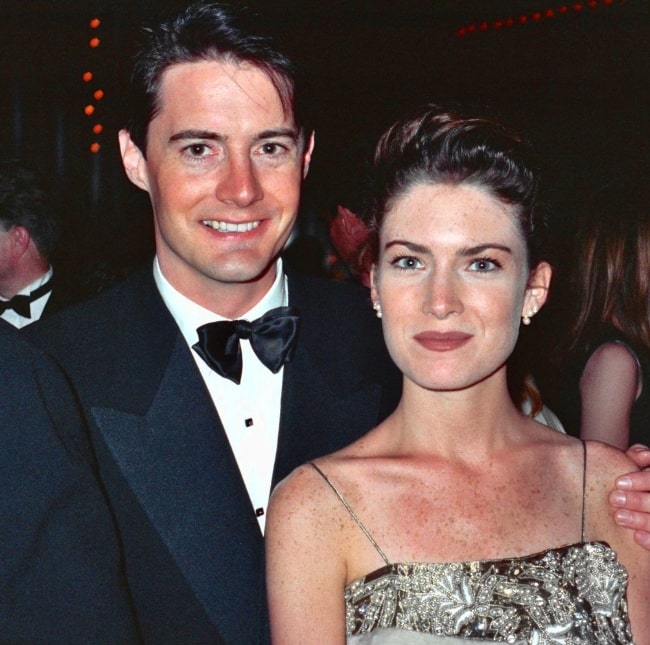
(439, 146)
(206, 31)
(610, 279)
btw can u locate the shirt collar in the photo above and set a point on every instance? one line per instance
(189, 315)
(32, 286)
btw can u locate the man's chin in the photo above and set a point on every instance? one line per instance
(245, 273)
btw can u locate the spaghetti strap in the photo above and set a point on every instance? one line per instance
(348, 508)
(584, 488)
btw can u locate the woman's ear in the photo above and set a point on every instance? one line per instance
(373, 283)
(539, 282)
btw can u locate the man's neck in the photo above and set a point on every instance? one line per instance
(228, 300)
(15, 283)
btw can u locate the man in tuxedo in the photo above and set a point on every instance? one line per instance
(29, 231)
(193, 422)
(59, 555)
(188, 455)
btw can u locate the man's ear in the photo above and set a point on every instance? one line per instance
(135, 165)
(20, 239)
(306, 155)
(539, 283)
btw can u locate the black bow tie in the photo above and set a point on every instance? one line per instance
(21, 304)
(272, 338)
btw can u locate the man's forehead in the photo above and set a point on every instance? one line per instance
(223, 98)
(230, 82)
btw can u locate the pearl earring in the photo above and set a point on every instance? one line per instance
(525, 319)
(377, 307)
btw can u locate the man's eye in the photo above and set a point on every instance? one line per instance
(197, 150)
(272, 148)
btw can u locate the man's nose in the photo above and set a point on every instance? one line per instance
(238, 183)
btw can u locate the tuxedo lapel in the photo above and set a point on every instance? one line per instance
(178, 463)
(333, 389)
(317, 419)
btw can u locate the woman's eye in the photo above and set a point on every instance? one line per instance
(484, 264)
(406, 262)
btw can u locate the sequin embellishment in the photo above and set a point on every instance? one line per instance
(573, 595)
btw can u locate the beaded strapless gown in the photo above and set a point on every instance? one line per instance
(571, 595)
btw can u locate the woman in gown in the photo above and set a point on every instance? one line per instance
(458, 519)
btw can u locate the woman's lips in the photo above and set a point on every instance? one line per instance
(442, 341)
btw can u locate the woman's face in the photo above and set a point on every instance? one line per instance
(453, 282)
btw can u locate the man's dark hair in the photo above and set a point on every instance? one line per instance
(205, 31)
(24, 202)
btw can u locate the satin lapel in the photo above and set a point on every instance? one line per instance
(328, 398)
(179, 464)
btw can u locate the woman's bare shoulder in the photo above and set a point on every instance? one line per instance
(605, 461)
(308, 492)
(611, 360)
(300, 487)
(604, 464)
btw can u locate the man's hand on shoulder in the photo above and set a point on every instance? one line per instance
(631, 497)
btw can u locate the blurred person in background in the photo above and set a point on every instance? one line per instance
(29, 232)
(605, 356)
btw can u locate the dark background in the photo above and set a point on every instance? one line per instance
(576, 82)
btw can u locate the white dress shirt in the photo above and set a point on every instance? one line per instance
(36, 308)
(250, 411)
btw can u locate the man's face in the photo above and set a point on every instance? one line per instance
(223, 169)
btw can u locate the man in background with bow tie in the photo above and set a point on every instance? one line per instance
(29, 231)
(214, 372)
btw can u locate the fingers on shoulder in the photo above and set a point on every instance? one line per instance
(604, 465)
(639, 454)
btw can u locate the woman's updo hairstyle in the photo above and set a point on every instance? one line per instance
(436, 146)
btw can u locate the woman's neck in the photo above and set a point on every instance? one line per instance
(473, 421)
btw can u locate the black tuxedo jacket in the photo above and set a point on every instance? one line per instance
(60, 563)
(193, 548)
(66, 291)
(59, 298)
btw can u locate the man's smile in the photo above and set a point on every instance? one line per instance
(231, 227)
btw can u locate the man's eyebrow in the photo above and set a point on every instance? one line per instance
(280, 132)
(184, 135)
(197, 134)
